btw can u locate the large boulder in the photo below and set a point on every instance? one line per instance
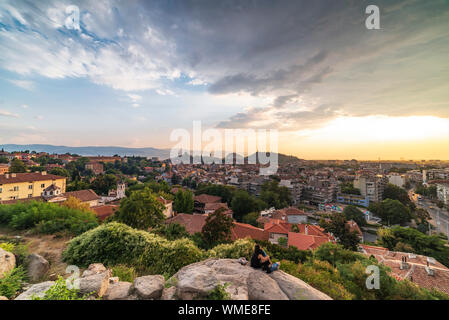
(7, 262)
(169, 294)
(119, 291)
(262, 287)
(296, 289)
(195, 281)
(149, 287)
(37, 290)
(95, 284)
(37, 267)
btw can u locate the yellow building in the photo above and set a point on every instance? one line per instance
(15, 186)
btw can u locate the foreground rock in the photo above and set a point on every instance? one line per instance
(242, 282)
(3, 298)
(7, 262)
(296, 289)
(120, 291)
(37, 267)
(149, 287)
(37, 290)
(95, 280)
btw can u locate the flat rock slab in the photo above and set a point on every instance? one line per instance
(38, 290)
(95, 284)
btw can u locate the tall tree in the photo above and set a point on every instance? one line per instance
(183, 201)
(141, 210)
(217, 228)
(17, 166)
(337, 225)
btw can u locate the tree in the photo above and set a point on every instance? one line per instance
(282, 241)
(60, 172)
(391, 211)
(243, 203)
(394, 192)
(348, 188)
(353, 213)
(103, 183)
(74, 203)
(17, 166)
(217, 228)
(251, 218)
(337, 225)
(141, 210)
(172, 231)
(4, 160)
(183, 201)
(274, 195)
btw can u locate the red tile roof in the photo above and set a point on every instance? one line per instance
(243, 230)
(305, 242)
(192, 222)
(82, 195)
(205, 198)
(27, 177)
(105, 211)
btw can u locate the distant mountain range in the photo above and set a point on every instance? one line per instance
(121, 151)
(89, 150)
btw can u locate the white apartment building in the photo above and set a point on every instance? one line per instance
(443, 192)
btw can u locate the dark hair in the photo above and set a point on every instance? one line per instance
(257, 249)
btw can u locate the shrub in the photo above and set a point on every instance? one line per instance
(7, 246)
(239, 248)
(12, 282)
(219, 293)
(46, 217)
(279, 253)
(59, 291)
(115, 243)
(124, 273)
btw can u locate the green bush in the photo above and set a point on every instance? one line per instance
(239, 248)
(59, 291)
(115, 243)
(7, 246)
(12, 282)
(219, 293)
(46, 218)
(279, 253)
(124, 273)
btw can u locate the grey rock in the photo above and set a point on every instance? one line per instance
(38, 266)
(195, 281)
(296, 289)
(94, 268)
(119, 291)
(95, 284)
(262, 287)
(37, 290)
(169, 294)
(149, 287)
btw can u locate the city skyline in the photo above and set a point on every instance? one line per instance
(130, 74)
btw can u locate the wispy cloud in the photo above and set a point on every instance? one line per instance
(5, 113)
(25, 84)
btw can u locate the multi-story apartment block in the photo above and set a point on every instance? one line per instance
(16, 186)
(371, 186)
(435, 174)
(443, 192)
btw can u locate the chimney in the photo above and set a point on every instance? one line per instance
(306, 230)
(430, 272)
(44, 173)
(13, 175)
(7, 175)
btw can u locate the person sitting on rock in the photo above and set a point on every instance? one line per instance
(261, 260)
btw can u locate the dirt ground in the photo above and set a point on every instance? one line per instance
(48, 246)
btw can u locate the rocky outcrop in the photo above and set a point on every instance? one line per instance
(241, 282)
(37, 290)
(37, 267)
(7, 262)
(195, 281)
(296, 289)
(149, 287)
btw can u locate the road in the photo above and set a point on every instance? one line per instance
(432, 209)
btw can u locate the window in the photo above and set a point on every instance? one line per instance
(1, 190)
(30, 187)
(30, 195)
(43, 185)
(16, 188)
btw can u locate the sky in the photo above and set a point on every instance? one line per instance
(132, 72)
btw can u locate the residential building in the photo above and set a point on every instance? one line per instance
(4, 168)
(16, 186)
(201, 200)
(168, 207)
(96, 167)
(353, 199)
(398, 180)
(443, 192)
(192, 222)
(371, 186)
